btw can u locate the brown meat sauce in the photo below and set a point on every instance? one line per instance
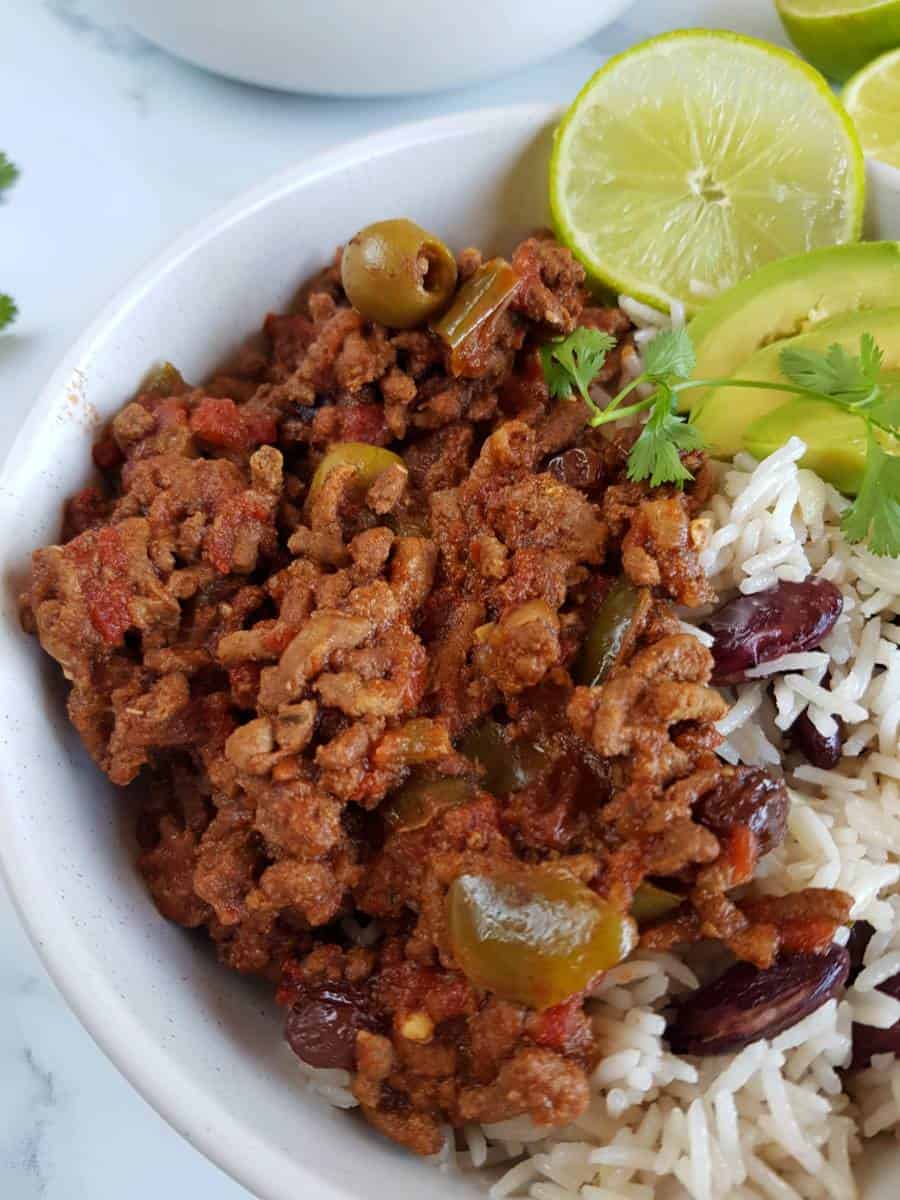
(276, 664)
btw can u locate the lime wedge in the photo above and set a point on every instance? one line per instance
(692, 159)
(872, 98)
(840, 36)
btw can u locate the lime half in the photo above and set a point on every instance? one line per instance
(840, 36)
(872, 98)
(692, 159)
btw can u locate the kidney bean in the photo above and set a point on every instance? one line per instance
(746, 796)
(823, 752)
(869, 1041)
(322, 1025)
(747, 1004)
(857, 943)
(784, 619)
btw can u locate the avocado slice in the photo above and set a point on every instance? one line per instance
(787, 298)
(836, 442)
(726, 414)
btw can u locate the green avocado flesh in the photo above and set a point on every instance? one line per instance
(836, 442)
(732, 419)
(787, 298)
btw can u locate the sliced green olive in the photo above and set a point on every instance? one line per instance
(534, 937)
(509, 764)
(369, 462)
(609, 631)
(466, 324)
(162, 381)
(651, 902)
(420, 800)
(397, 273)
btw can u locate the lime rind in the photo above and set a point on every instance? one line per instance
(653, 194)
(841, 37)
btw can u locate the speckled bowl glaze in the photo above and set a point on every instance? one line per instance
(201, 1044)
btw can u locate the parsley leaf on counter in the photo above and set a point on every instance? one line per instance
(8, 310)
(575, 361)
(9, 173)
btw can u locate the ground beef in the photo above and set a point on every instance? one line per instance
(293, 667)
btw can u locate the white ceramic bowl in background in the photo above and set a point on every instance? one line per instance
(367, 47)
(202, 1044)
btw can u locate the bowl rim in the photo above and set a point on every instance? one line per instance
(158, 1077)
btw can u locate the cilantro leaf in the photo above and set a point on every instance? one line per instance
(835, 373)
(556, 376)
(670, 353)
(656, 453)
(8, 310)
(854, 383)
(886, 408)
(9, 172)
(875, 513)
(575, 361)
(871, 357)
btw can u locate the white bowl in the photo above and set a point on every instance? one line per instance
(367, 47)
(201, 1044)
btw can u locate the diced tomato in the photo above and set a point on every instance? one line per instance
(103, 574)
(556, 1027)
(169, 412)
(741, 853)
(221, 423)
(261, 427)
(106, 454)
(352, 423)
(234, 514)
(807, 937)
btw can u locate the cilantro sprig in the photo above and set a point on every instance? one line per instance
(852, 382)
(575, 361)
(656, 455)
(9, 173)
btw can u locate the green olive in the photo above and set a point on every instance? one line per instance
(163, 381)
(533, 936)
(397, 273)
(652, 902)
(369, 461)
(420, 800)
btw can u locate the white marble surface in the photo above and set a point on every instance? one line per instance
(121, 148)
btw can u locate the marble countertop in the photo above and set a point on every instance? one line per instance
(121, 148)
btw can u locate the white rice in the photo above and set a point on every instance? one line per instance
(772, 1122)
